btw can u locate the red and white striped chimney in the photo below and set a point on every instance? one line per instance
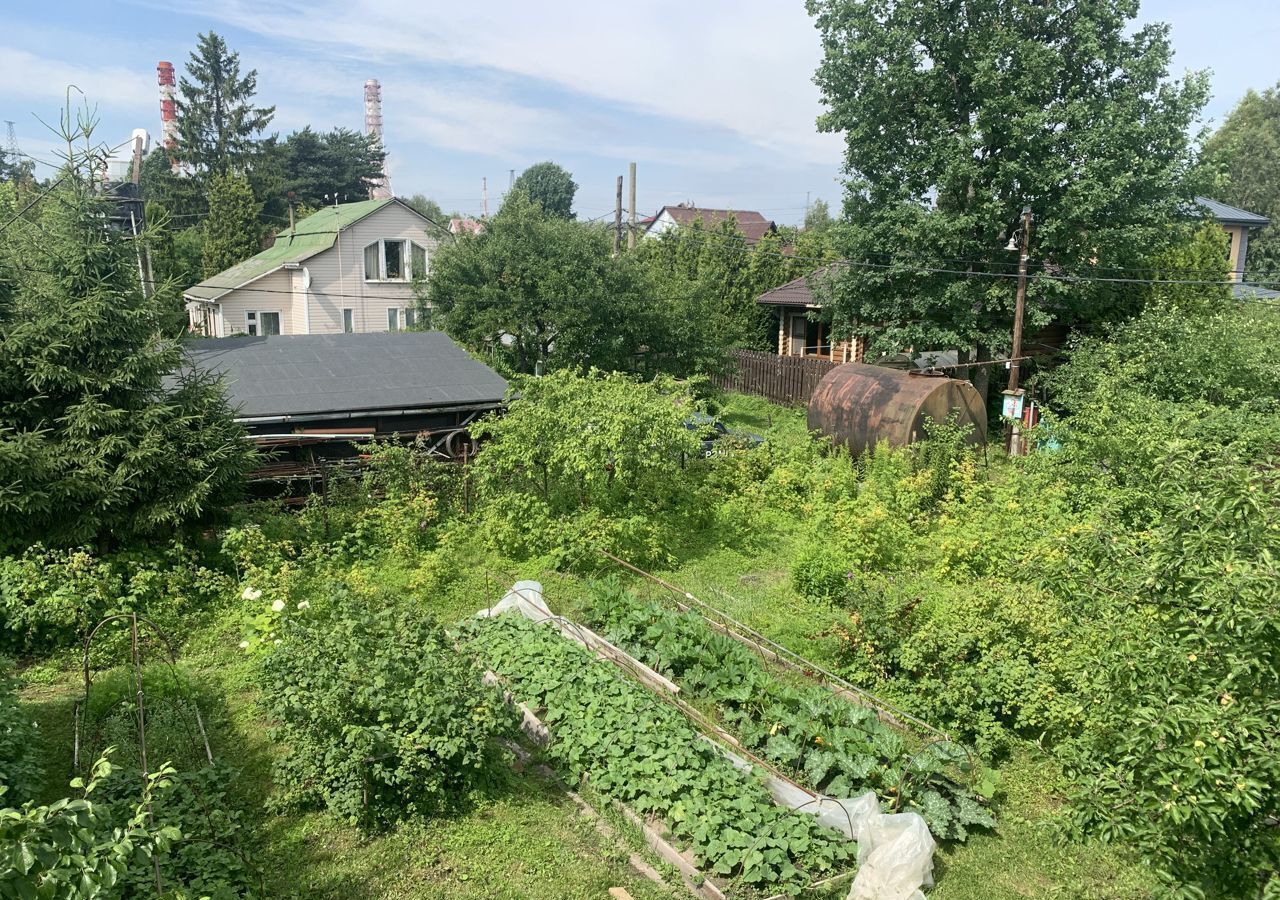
(168, 108)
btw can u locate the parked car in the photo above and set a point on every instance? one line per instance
(718, 438)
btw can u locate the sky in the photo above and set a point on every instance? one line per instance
(712, 99)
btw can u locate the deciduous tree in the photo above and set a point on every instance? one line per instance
(956, 117)
(1246, 149)
(550, 186)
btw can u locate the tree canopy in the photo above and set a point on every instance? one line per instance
(550, 186)
(1246, 149)
(954, 121)
(218, 124)
(103, 434)
(231, 231)
(340, 162)
(534, 289)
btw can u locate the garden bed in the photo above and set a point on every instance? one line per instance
(639, 752)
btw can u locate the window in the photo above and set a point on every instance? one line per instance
(394, 260)
(410, 317)
(817, 339)
(393, 254)
(348, 321)
(257, 322)
(393, 319)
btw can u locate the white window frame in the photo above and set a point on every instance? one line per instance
(348, 316)
(406, 260)
(257, 315)
(393, 326)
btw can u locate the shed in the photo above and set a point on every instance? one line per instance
(296, 390)
(858, 406)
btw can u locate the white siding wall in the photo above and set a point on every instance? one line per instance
(336, 282)
(337, 275)
(271, 293)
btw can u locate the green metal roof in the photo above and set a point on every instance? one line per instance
(313, 234)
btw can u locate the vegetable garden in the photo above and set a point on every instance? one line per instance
(1091, 629)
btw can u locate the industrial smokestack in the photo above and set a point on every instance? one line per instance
(168, 108)
(381, 188)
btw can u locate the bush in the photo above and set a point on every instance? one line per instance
(586, 460)
(49, 599)
(20, 770)
(380, 716)
(982, 660)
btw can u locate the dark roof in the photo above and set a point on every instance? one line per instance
(308, 374)
(796, 292)
(752, 224)
(1246, 291)
(1232, 215)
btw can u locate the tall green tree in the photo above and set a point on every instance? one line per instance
(550, 186)
(340, 162)
(437, 218)
(104, 436)
(534, 289)
(1246, 149)
(232, 233)
(956, 116)
(219, 127)
(818, 216)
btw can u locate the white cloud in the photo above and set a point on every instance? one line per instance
(25, 76)
(745, 67)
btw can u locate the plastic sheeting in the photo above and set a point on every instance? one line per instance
(895, 851)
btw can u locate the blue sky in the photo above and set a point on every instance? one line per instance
(712, 99)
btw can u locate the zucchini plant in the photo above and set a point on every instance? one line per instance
(629, 746)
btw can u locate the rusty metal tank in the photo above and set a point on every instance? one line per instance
(858, 406)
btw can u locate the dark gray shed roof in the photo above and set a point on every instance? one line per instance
(1231, 215)
(309, 374)
(1246, 291)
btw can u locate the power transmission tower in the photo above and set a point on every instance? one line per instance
(11, 143)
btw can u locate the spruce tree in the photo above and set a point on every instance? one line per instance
(104, 435)
(218, 125)
(231, 231)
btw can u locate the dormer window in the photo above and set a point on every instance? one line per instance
(394, 260)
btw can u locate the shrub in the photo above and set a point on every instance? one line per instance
(51, 598)
(381, 717)
(981, 659)
(588, 459)
(20, 770)
(74, 847)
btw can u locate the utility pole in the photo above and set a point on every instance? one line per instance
(1013, 435)
(631, 233)
(617, 220)
(511, 181)
(484, 195)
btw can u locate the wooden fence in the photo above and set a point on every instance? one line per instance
(782, 379)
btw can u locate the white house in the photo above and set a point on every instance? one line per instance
(345, 268)
(752, 224)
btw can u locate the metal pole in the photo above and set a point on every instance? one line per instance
(1012, 436)
(617, 221)
(631, 233)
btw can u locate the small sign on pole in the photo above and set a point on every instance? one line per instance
(1013, 403)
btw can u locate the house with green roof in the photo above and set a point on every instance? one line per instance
(345, 268)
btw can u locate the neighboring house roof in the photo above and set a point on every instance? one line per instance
(472, 226)
(309, 374)
(751, 223)
(797, 292)
(1231, 215)
(314, 234)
